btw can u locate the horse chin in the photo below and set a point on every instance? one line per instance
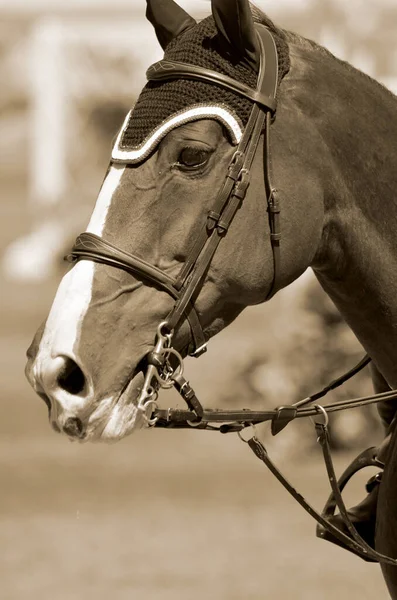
(115, 418)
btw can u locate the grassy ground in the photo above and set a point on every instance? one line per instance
(162, 515)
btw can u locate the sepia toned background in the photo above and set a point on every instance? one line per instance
(161, 515)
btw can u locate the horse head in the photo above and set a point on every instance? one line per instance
(161, 201)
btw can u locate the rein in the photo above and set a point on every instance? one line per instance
(164, 367)
(226, 421)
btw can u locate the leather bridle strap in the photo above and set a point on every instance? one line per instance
(366, 551)
(213, 217)
(219, 231)
(274, 210)
(236, 184)
(165, 70)
(185, 288)
(267, 87)
(354, 542)
(89, 246)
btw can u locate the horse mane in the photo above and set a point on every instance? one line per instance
(321, 50)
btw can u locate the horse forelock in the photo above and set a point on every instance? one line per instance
(159, 102)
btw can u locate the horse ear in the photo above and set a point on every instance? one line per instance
(235, 24)
(168, 19)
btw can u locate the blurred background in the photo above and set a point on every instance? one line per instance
(162, 514)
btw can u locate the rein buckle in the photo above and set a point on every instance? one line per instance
(285, 414)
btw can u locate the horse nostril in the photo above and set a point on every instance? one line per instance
(71, 378)
(73, 427)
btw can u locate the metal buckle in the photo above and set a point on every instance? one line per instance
(236, 165)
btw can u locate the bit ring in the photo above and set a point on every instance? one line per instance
(253, 434)
(144, 409)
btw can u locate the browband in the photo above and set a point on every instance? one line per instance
(165, 70)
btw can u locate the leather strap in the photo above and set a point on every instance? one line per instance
(167, 70)
(364, 550)
(335, 383)
(274, 209)
(231, 206)
(89, 246)
(238, 419)
(234, 188)
(355, 543)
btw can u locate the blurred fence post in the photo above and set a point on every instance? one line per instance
(48, 177)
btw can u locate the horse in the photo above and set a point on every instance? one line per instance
(205, 210)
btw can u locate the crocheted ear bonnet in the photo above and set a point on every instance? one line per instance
(163, 105)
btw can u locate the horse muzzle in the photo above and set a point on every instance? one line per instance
(74, 409)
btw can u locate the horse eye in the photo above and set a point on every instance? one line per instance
(193, 157)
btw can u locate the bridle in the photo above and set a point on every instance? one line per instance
(186, 286)
(165, 364)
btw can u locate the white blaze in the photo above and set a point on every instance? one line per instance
(75, 290)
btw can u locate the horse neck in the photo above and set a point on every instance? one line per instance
(357, 259)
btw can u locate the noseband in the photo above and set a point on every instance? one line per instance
(161, 371)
